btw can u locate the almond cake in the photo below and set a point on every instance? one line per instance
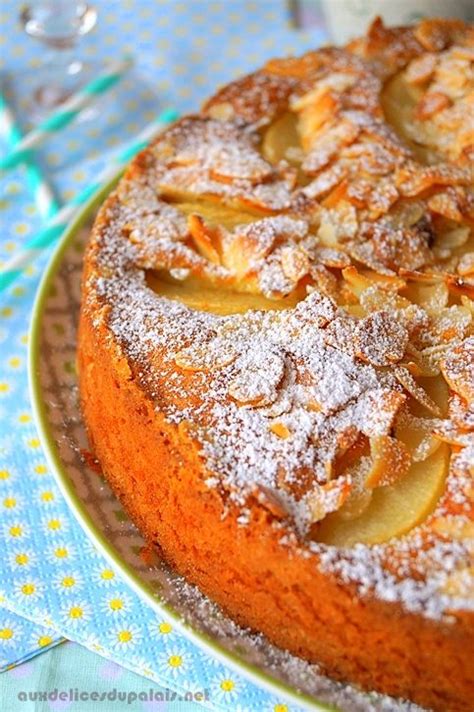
(276, 355)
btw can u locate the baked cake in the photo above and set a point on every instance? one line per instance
(276, 355)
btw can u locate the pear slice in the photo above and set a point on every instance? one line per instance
(216, 213)
(281, 141)
(393, 510)
(391, 461)
(216, 298)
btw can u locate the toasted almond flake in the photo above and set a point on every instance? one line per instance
(384, 405)
(421, 69)
(326, 181)
(258, 380)
(317, 309)
(357, 281)
(462, 286)
(432, 34)
(325, 281)
(453, 435)
(280, 430)
(424, 277)
(272, 501)
(451, 323)
(413, 180)
(430, 104)
(294, 262)
(340, 333)
(332, 257)
(466, 265)
(327, 498)
(205, 357)
(377, 298)
(458, 369)
(446, 204)
(425, 448)
(461, 413)
(429, 359)
(406, 379)
(204, 238)
(381, 340)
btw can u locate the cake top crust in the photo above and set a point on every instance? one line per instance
(289, 275)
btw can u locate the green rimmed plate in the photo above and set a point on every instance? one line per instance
(54, 396)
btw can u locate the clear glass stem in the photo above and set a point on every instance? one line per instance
(58, 24)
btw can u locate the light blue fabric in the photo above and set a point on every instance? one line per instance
(21, 639)
(74, 679)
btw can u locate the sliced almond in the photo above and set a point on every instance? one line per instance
(327, 498)
(380, 408)
(432, 33)
(272, 501)
(405, 378)
(451, 323)
(425, 448)
(424, 277)
(204, 238)
(462, 286)
(461, 413)
(316, 309)
(295, 262)
(466, 265)
(428, 293)
(421, 69)
(357, 282)
(340, 333)
(280, 430)
(412, 180)
(381, 340)
(258, 380)
(458, 369)
(429, 359)
(332, 257)
(325, 182)
(376, 298)
(325, 281)
(453, 435)
(430, 104)
(206, 357)
(413, 368)
(417, 434)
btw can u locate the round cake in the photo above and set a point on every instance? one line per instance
(276, 355)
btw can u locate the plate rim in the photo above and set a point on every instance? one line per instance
(141, 588)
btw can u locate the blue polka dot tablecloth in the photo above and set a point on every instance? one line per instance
(53, 583)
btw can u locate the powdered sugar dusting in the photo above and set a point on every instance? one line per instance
(279, 397)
